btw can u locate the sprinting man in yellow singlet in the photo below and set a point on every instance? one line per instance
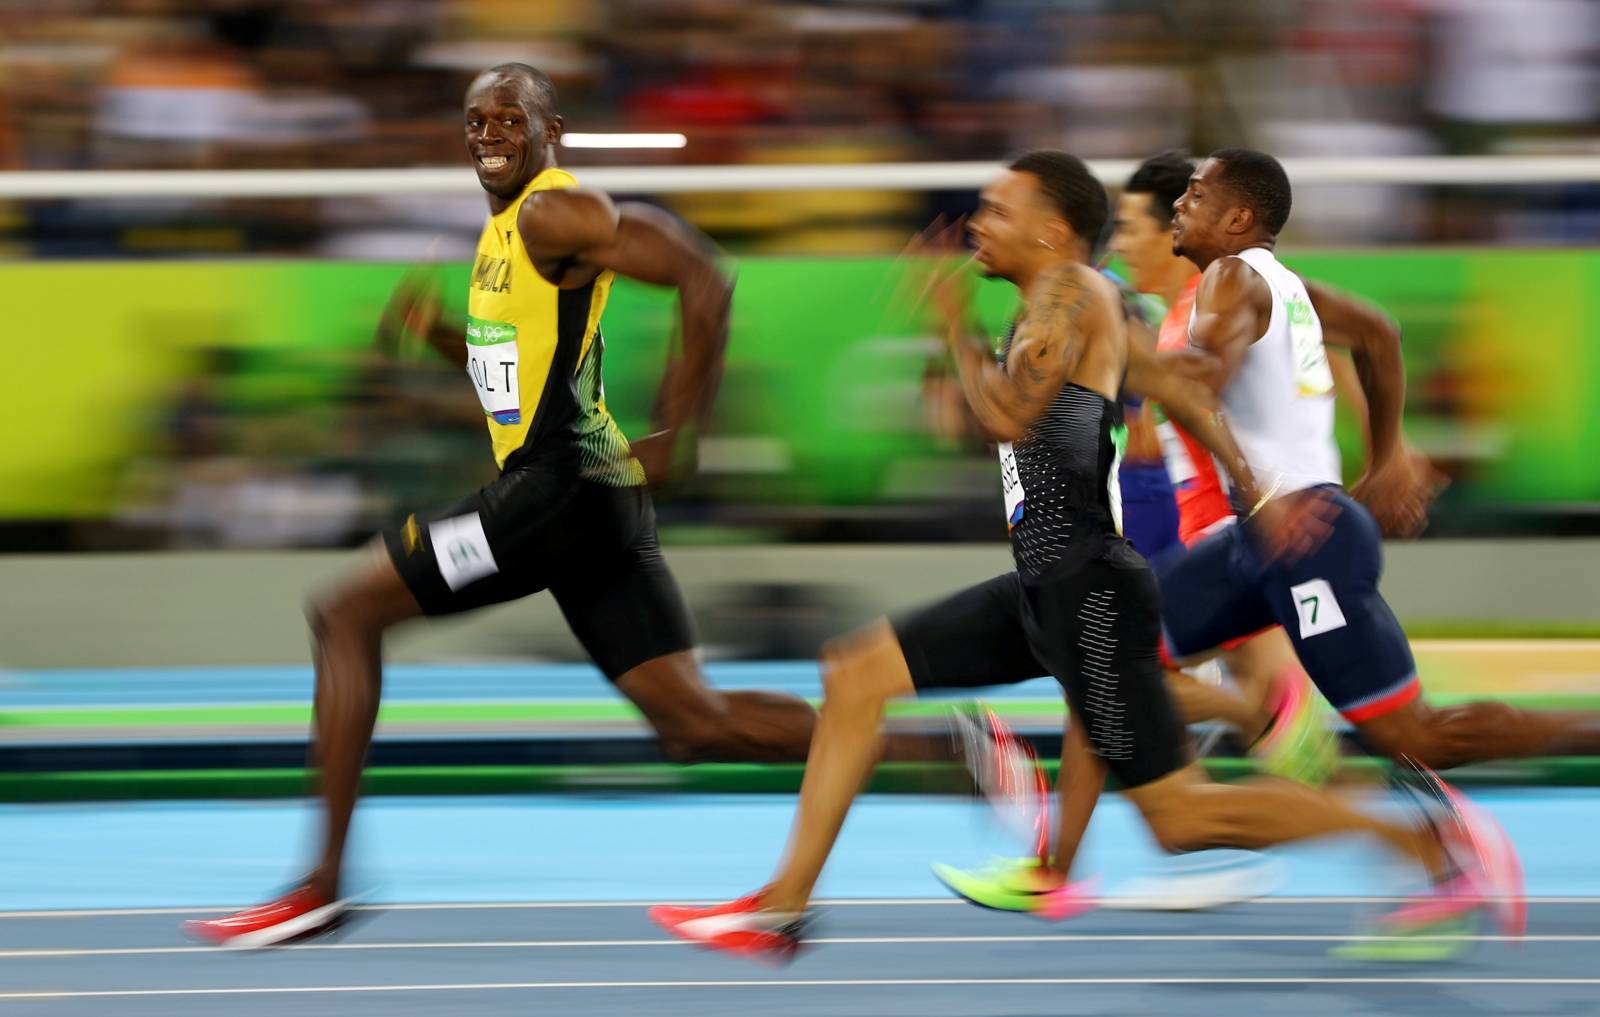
(570, 512)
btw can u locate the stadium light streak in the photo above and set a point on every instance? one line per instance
(581, 140)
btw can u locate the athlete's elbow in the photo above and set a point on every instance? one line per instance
(1001, 427)
(1376, 337)
(1387, 333)
(705, 285)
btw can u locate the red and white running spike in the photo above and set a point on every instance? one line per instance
(739, 927)
(301, 913)
(1011, 779)
(1486, 851)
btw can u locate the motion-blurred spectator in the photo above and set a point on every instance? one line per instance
(311, 84)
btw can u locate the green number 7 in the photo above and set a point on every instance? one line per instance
(1313, 602)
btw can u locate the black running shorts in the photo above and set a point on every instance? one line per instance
(1095, 628)
(592, 546)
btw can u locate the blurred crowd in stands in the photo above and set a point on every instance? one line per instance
(377, 83)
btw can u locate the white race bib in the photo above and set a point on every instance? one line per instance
(1180, 467)
(1011, 485)
(462, 550)
(492, 363)
(1318, 608)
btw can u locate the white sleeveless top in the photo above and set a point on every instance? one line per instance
(1280, 402)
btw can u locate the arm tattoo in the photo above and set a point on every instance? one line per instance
(1006, 398)
(1057, 321)
(1035, 368)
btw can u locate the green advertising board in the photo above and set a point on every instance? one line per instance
(1502, 355)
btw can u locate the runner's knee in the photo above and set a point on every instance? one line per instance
(315, 619)
(851, 678)
(701, 740)
(343, 613)
(842, 677)
(1178, 834)
(1193, 822)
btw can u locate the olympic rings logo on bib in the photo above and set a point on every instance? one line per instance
(492, 356)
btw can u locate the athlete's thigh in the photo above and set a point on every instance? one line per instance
(970, 639)
(1097, 631)
(671, 691)
(1212, 594)
(487, 548)
(1343, 631)
(618, 596)
(1168, 798)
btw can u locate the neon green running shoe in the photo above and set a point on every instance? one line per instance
(1018, 885)
(1300, 743)
(1438, 941)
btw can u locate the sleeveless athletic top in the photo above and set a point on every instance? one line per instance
(1201, 489)
(534, 353)
(1280, 403)
(1060, 479)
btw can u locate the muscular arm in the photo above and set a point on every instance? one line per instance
(1373, 340)
(1193, 405)
(573, 234)
(1007, 398)
(447, 337)
(1398, 484)
(415, 310)
(1347, 390)
(1144, 442)
(1290, 526)
(1232, 308)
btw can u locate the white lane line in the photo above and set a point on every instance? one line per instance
(1123, 902)
(556, 944)
(776, 984)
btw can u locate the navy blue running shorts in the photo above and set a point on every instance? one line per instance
(1344, 633)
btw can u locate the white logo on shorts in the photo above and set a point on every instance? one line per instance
(462, 550)
(1318, 607)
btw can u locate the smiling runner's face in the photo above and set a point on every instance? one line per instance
(509, 133)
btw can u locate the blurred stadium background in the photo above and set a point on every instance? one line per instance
(204, 205)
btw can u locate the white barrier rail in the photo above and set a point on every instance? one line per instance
(421, 181)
